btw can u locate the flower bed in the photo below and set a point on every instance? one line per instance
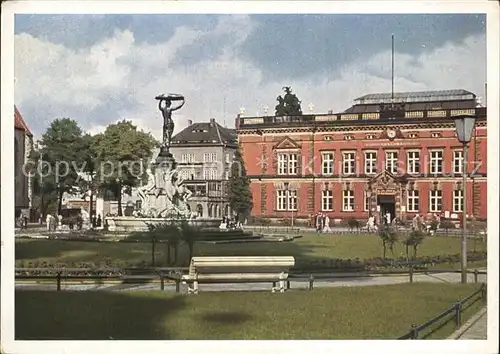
(110, 267)
(380, 263)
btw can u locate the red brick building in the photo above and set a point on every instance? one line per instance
(23, 143)
(383, 154)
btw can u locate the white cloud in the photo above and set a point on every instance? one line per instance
(118, 69)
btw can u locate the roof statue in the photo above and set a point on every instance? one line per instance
(288, 105)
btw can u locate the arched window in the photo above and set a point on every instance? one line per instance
(209, 210)
(199, 210)
(217, 211)
(227, 211)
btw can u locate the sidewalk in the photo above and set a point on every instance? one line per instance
(294, 284)
(475, 328)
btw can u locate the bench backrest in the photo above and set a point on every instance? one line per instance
(239, 264)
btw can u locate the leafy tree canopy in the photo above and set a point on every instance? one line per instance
(240, 195)
(61, 155)
(123, 153)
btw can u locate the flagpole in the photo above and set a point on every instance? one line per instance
(392, 74)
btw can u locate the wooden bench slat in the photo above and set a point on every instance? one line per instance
(238, 275)
(244, 269)
(241, 259)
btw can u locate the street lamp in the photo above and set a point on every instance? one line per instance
(368, 192)
(464, 125)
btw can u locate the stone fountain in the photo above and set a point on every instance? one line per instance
(164, 197)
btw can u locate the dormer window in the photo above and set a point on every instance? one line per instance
(370, 136)
(413, 135)
(328, 137)
(435, 135)
(348, 137)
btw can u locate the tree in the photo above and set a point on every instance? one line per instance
(415, 238)
(189, 235)
(389, 237)
(167, 233)
(61, 154)
(44, 197)
(124, 153)
(90, 168)
(240, 195)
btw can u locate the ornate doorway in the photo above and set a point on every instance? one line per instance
(387, 205)
(386, 194)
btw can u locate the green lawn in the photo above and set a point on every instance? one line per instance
(307, 248)
(372, 312)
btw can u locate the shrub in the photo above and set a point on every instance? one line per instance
(258, 220)
(403, 222)
(286, 222)
(353, 223)
(381, 263)
(265, 222)
(446, 225)
(129, 210)
(434, 225)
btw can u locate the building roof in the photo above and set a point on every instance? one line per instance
(211, 133)
(418, 96)
(19, 122)
(415, 106)
(415, 101)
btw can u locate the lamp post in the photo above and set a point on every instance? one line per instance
(369, 196)
(464, 125)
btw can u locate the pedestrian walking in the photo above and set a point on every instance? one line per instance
(318, 223)
(326, 227)
(48, 221)
(370, 224)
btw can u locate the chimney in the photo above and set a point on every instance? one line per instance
(212, 120)
(330, 111)
(190, 122)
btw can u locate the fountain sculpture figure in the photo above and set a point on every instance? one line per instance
(165, 194)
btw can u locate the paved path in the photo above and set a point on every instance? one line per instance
(478, 328)
(295, 284)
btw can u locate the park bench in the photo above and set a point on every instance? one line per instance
(247, 269)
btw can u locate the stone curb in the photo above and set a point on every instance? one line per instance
(471, 322)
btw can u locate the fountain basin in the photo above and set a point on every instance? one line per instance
(130, 224)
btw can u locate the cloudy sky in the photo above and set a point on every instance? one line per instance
(99, 69)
